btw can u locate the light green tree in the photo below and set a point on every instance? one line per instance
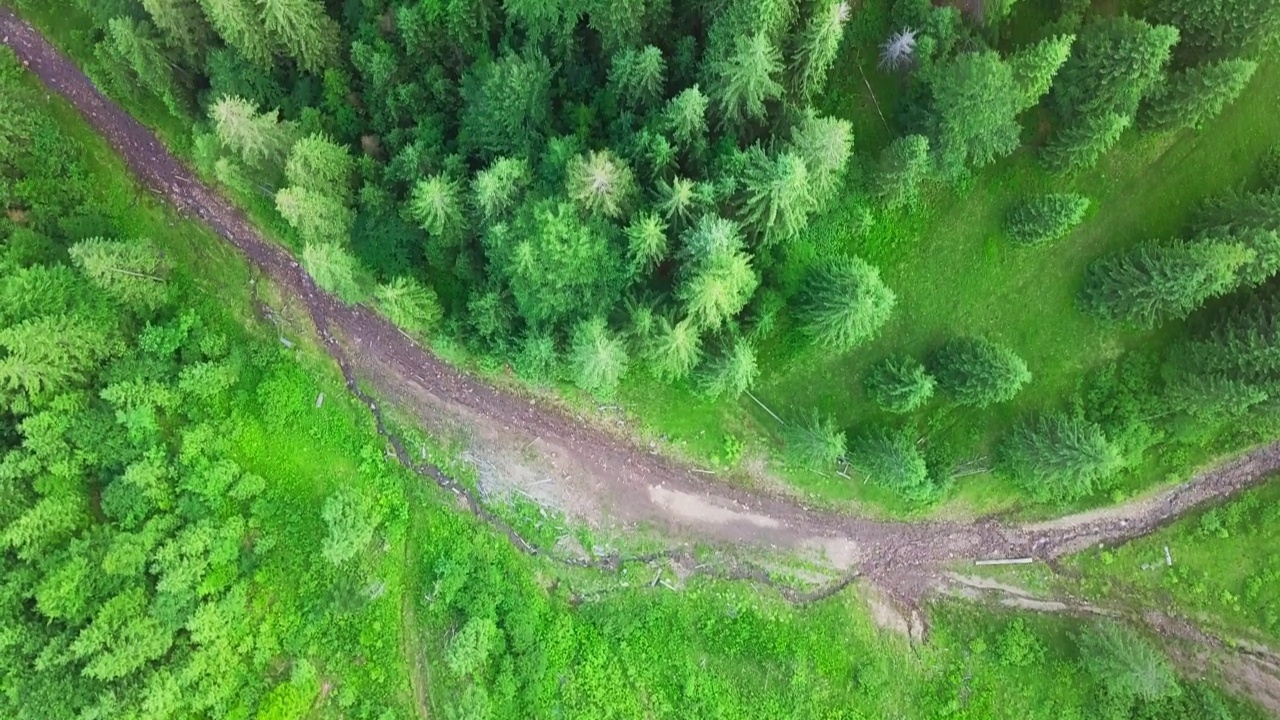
(717, 279)
(778, 197)
(899, 384)
(183, 24)
(686, 117)
(674, 349)
(436, 206)
(746, 79)
(319, 164)
(814, 442)
(639, 76)
(815, 47)
(351, 519)
(318, 217)
(1057, 457)
(1034, 68)
(646, 241)
(1196, 95)
(240, 25)
(333, 269)
(598, 357)
(600, 183)
(825, 144)
(134, 272)
(498, 188)
(731, 372)
(303, 29)
(409, 305)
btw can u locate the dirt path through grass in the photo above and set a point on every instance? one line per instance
(593, 475)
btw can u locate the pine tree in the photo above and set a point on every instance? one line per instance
(745, 80)
(1115, 63)
(814, 442)
(1044, 218)
(600, 184)
(497, 188)
(899, 384)
(844, 303)
(134, 46)
(1196, 95)
(1081, 144)
(333, 269)
(1154, 282)
(778, 197)
(974, 112)
(134, 272)
(409, 305)
(975, 371)
(303, 29)
(1057, 457)
(891, 459)
(1034, 68)
(730, 373)
(825, 144)
(815, 47)
(904, 166)
(639, 76)
(599, 358)
(647, 241)
(436, 206)
(674, 349)
(686, 118)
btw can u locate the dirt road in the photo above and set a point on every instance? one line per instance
(589, 473)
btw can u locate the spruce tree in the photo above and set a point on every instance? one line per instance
(730, 373)
(1215, 28)
(317, 163)
(134, 272)
(899, 384)
(1057, 457)
(975, 371)
(1034, 68)
(1154, 282)
(183, 24)
(825, 144)
(434, 203)
(1115, 63)
(598, 358)
(974, 111)
(240, 25)
(600, 184)
(303, 28)
(318, 217)
(409, 305)
(815, 46)
(497, 189)
(904, 166)
(1196, 95)
(746, 79)
(686, 118)
(134, 54)
(814, 442)
(259, 139)
(1082, 143)
(333, 269)
(1044, 218)
(674, 349)
(778, 196)
(891, 459)
(844, 303)
(716, 277)
(639, 76)
(646, 242)
(677, 200)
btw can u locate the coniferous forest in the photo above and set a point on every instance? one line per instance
(894, 285)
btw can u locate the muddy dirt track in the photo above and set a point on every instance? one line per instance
(534, 448)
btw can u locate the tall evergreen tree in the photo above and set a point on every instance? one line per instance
(1034, 68)
(778, 197)
(496, 189)
(716, 277)
(844, 303)
(319, 164)
(674, 349)
(133, 51)
(975, 371)
(904, 166)
(1196, 95)
(303, 29)
(240, 25)
(639, 76)
(333, 269)
(600, 184)
(506, 106)
(1081, 144)
(730, 373)
(317, 216)
(258, 138)
(1057, 457)
(1115, 63)
(1215, 28)
(436, 206)
(599, 358)
(891, 459)
(1044, 218)
(686, 117)
(974, 111)
(815, 45)
(409, 305)
(134, 272)
(899, 384)
(183, 25)
(814, 442)
(646, 241)
(1155, 282)
(825, 144)
(746, 79)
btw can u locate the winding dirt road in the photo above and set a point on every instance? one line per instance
(587, 472)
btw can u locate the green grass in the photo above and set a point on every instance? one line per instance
(1225, 567)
